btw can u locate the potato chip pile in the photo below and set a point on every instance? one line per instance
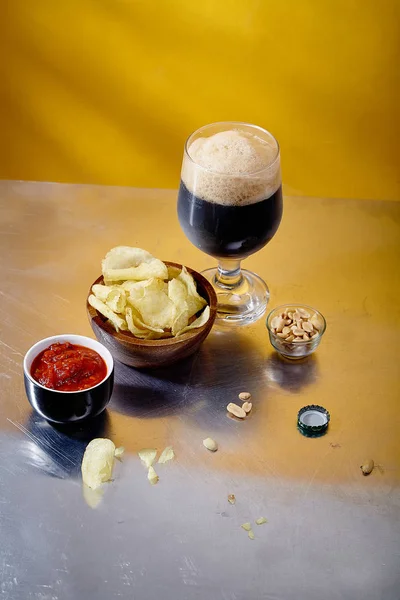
(142, 295)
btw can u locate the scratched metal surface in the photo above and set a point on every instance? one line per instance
(331, 532)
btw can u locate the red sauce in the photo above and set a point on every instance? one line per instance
(68, 367)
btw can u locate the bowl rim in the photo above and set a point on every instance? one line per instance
(129, 338)
(296, 305)
(73, 338)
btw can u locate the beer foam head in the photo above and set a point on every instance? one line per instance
(232, 167)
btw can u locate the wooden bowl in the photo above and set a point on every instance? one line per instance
(132, 351)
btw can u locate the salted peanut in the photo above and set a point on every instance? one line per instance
(286, 330)
(297, 331)
(281, 324)
(315, 321)
(298, 339)
(282, 335)
(307, 326)
(290, 315)
(236, 410)
(244, 396)
(314, 335)
(304, 313)
(306, 336)
(297, 316)
(290, 338)
(274, 323)
(210, 444)
(367, 467)
(247, 406)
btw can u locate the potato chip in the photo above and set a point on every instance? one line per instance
(194, 305)
(177, 292)
(98, 462)
(188, 280)
(140, 329)
(173, 272)
(123, 257)
(199, 322)
(133, 328)
(183, 289)
(117, 321)
(195, 302)
(180, 321)
(156, 309)
(116, 300)
(155, 335)
(153, 283)
(101, 291)
(145, 270)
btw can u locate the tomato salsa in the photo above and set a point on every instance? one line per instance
(68, 367)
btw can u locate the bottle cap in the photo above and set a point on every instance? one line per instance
(313, 420)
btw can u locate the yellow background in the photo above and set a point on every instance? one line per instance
(106, 91)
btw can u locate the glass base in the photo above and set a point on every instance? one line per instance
(242, 305)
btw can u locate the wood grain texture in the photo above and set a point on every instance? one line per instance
(134, 352)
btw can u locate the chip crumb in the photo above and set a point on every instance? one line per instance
(166, 455)
(246, 526)
(251, 534)
(119, 452)
(231, 499)
(261, 521)
(147, 456)
(152, 476)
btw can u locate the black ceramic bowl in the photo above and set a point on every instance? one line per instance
(68, 407)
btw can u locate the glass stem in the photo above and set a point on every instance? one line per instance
(229, 275)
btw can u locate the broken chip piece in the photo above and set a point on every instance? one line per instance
(119, 452)
(166, 455)
(152, 476)
(147, 456)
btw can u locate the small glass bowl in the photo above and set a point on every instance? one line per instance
(295, 350)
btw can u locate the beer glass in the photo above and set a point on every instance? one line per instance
(230, 206)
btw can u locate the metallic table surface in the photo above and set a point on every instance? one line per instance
(332, 534)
